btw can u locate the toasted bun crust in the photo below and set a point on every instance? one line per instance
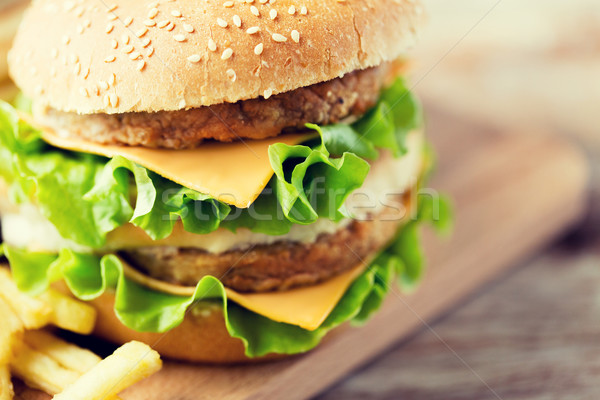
(80, 56)
(201, 337)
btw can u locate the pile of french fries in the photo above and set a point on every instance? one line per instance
(45, 362)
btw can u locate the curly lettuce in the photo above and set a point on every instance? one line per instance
(145, 310)
(86, 196)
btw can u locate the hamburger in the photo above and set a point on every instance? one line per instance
(223, 180)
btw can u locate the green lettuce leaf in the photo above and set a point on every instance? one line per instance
(85, 196)
(145, 310)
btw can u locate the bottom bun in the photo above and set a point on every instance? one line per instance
(201, 337)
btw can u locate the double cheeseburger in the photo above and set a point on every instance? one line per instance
(222, 179)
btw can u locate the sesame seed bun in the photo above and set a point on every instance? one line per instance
(144, 56)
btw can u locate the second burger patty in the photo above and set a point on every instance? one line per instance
(323, 103)
(280, 266)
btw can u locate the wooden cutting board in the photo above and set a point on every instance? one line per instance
(513, 193)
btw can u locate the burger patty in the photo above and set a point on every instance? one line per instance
(279, 266)
(323, 103)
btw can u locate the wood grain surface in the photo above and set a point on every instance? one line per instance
(513, 193)
(531, 336)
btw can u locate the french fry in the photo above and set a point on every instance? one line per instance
(11, 331)
(33, 312)
(129, 364)
(39, 371)
(66, 354)
(68, 313)
(6, 387)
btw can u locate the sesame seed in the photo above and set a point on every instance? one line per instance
(231, 75)
(110, 59)
(268, 93)
(103, 85)
(87, 73)
(170, 27)
(128, 21)
(141, 32)
(141, 65)
(212, 46)
(237, 21)
(149, 22)
(194, 58)
(188, 28)
(154, 4)
(125, 39)
(112, 79)
(79, 29)
(273, 13)
(150, 52)
(83, 92)
(77, 69)
(279, 37)
(106, 101)
(254, 10)
(176, 13)
(54, 53)
(221, 22)
(112, 8)
(128, 49)
(292, 10)
(252, 30)
(152, 13)
(135, 55)
(259, 49)
(182, 103)
(114, 44)
(262, 1)
(303, 10)
(162, 24)
(228, 4)
(114, 99)
(145, 42)
(227, 53)
(295, 36)
(73, 58)
(179, 38)
(109, 28)
(87, 23)
(112, 17)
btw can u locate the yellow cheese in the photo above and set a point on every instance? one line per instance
(234, 173)
(306, 307)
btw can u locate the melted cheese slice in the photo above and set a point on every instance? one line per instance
(306, 307)
(234, 173)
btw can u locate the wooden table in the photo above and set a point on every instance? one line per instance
(535, 334)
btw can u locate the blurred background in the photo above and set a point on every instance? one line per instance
(517, 64)
(521, 66)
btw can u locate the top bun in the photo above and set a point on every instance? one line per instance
(141, 55)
